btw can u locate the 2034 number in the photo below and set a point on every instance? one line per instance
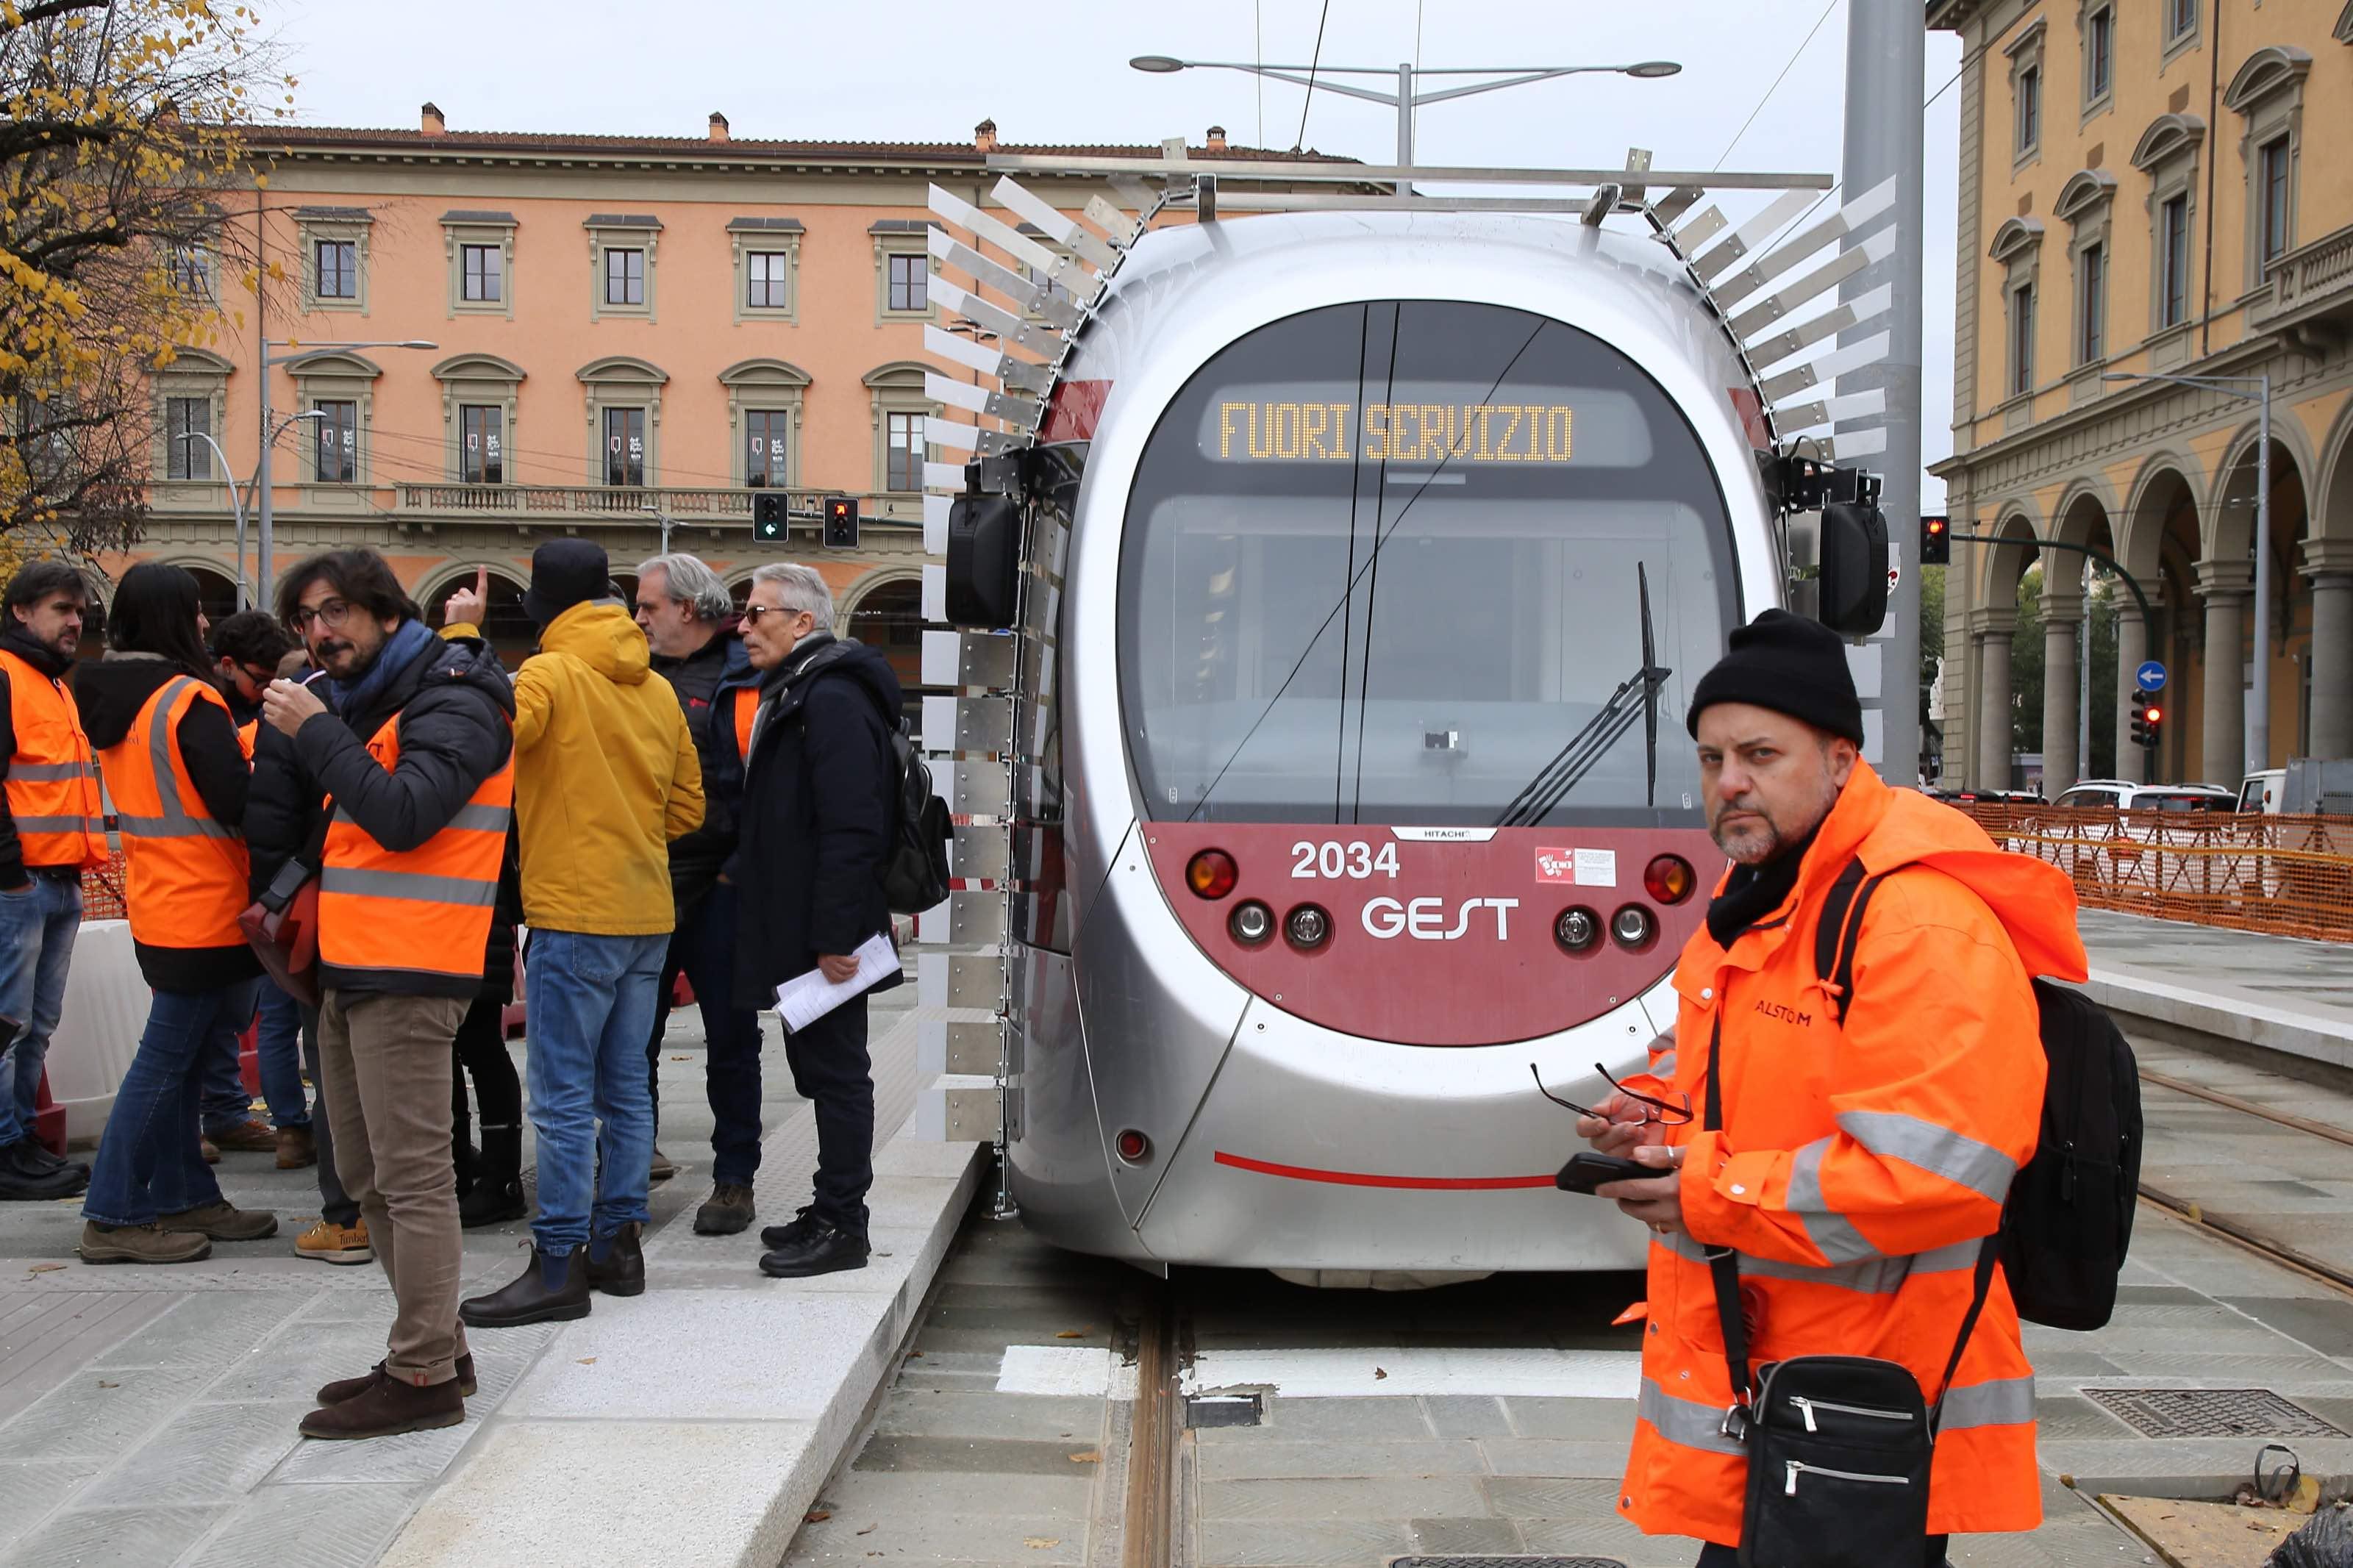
(1357, 861)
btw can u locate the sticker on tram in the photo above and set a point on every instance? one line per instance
(1577, 868)
(1442, 835)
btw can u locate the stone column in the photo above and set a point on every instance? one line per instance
(1991, 704)
(2060, 766)
(2222, 734)
(2328, 563)
(2132, 652)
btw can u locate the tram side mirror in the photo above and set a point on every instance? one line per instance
(1851, 589)
(983, 562)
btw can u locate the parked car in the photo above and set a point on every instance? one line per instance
(2123, 795)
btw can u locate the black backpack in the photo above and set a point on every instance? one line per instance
(2069, 1216)
(916, 872)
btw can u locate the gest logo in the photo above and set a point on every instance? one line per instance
(1424, 919)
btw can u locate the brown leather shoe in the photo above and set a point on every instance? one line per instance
(386, 1409)
(352, 1387)
(140, 1244)
(296, 1148)
(211, 1153)
(223, 1221)
(247, 1137)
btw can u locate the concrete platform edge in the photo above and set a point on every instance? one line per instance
(2187, 1014)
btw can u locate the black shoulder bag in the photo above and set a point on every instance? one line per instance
(1839, 1447)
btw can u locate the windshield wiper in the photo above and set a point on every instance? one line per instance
(1585, 749)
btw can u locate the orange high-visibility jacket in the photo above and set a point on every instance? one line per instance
(52, 788)
(1859, 1167)
(747, 708)
(417, 913)
(188, 878)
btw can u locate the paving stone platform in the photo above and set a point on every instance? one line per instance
(2188, 981)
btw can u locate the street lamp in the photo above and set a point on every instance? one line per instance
(236, 502)
(1405, 100)
(267, 530)
(2258, 736)
(661, 516)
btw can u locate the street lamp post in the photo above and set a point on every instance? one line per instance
(1405, 100)
(661, 516)
(266, 530)
(237, 501)
(2258, 728)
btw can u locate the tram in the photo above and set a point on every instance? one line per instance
(1361, 565)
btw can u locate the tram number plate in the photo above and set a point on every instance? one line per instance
(1358, 860)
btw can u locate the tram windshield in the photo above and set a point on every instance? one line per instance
(1421, 562)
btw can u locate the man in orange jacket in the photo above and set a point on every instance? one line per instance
(1858, 1165)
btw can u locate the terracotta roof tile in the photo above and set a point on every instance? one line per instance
(306, 138)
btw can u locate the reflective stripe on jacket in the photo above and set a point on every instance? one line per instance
(1858, 1166)
(52, 787)
(187, 876)
(422, 913)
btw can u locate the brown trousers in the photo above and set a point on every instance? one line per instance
(386, 1061)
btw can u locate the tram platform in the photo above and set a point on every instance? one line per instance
(2200, 983)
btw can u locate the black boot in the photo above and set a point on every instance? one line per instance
(550, 1290)
(24, 1179)
(622, 1270)
(822, 1248)
(496, 1196)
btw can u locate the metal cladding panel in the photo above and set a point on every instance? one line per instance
(976, 917)
(974, 981)
(968, 724)
(980, 854)
(1307, 1153)
(976, 789)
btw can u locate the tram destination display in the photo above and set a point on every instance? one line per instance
(1425, 423)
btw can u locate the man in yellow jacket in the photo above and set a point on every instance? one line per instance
(606, 776)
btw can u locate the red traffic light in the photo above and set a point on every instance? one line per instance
(2153, 713)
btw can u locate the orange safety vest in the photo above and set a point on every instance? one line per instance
(245, 734)
(52, 789)
(188, 873)
(747, 708)
(418, 919)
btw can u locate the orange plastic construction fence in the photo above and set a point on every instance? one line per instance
(2284, 876)
(102, 892)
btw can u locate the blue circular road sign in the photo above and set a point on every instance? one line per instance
(2151, 676)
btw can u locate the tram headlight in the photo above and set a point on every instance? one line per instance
(1307, 927)
(1211, 874)
(1251, 922)
(1668, 878)
(1577, 928)
(1634, 927)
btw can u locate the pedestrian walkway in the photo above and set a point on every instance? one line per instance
(147, 1416)
(2181, 981)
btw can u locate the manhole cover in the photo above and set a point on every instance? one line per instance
(1505, 1562)
(2210, 1413)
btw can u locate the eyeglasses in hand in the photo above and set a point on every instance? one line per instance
(1667, 1115)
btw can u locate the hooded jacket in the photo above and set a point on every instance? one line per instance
(1859, 1166)
(111, 692)
(819, 798)
(606, 776)
(710, 682)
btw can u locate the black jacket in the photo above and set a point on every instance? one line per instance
(111, 692)
(820, 797)
(707, 681)
(456, 709)
(43, 658)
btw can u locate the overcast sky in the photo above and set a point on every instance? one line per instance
(924, 70)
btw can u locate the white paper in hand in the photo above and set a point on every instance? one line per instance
(805, 998)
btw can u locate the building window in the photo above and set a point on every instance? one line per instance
(2029, 108)
(625, 446)
(2099, 54)
(2173, 261)
(485, 273)
(2092, 304)
(625, 276)
(338, 274)
(2180, 20)
(2272, 164)
(2022, 341)
(338, 441)
(768, 447)
(191, 417)
(909, 283)
(904, 453)
(482, 444)
(185, 269)
(770, 280)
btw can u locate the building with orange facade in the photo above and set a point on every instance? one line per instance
(621, 333)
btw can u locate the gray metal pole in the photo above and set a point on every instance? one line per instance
(2259, 722)
(1886, 70)
(265, 533)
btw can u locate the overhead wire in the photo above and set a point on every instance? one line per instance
(1313, 61)
(1769, 91)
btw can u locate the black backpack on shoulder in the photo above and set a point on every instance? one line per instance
(2069, 1216)
(916, 872)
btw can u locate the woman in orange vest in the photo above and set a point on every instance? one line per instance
(169, 753)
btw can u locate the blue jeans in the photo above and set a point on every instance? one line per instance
(589, 1004)
(148, 1161)
(278, 1043)
(221, 1096)
(37, 942)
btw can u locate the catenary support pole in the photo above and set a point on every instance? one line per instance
(1886, 69)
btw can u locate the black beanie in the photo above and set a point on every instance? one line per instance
(1790, 665)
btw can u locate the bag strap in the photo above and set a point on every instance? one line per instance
(1723, 1264)
(1840, 932)
(1982, 1286)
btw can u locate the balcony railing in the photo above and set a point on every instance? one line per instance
(2314, 279)
(630, 504)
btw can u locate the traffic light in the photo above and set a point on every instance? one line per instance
(2152, 718)
(1936, 540)
(841, 523)
(768, 517)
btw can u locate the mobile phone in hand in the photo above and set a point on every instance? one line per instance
(1585, 1172)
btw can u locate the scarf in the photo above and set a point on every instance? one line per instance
(399, 651)
(1752, 892)
(34, 651)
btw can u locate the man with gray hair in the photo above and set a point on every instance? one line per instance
(690, 622)
(819, 791)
